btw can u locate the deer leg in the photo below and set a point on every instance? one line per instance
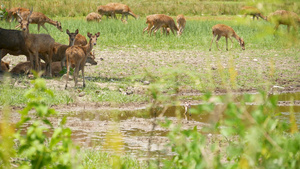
(68, 71)
(50, 63)
(231, 42)
(218, 38)
(226, 43)
(153, 27)
(212, 41)
(275, 29)
(82, 71)
(45, 28)
(76, 72)
(17, 26)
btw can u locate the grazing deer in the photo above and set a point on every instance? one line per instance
(150, 21)
(228, 32)
(40, 19)
(106, 10)
(12, 13)
(93, 17)
(4, 66)
(165, 22)
(283, 17)
(180, 23)
(37, 44)
(250, 10)
(122, 9)
(77, 55)
(12, 42)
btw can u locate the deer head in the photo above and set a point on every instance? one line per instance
(242, 43)
(93, 38)
(72, 36)
(24, 23)
(58, 25)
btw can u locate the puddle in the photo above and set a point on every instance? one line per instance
(90, 129)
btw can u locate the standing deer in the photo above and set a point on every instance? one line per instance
(12, 42)
(165, 22)
(37, 44)
(228, 32)
(250, 10)
(285, 18)
(180, 23)
(106, 10)
(77, 55)
(93, 17)
(122, 9)
(40, 19)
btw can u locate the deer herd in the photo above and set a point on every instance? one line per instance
(79, 51)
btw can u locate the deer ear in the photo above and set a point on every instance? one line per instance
(76, 31)
(98, 34)
(89, 35)
(68, 32)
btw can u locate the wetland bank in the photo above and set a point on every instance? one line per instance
(245, 104)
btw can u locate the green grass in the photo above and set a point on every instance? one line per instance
(146, 7)
(117, 37)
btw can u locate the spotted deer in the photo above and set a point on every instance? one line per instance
(220, 30)
(40, 19)
(93, 17)
(122, 9)
(283, 17)
(164, 21)
(106, 10)
(77, 55)
(254, 12)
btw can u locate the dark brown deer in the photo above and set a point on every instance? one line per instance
(122, 9)
(283, 17)
(37, 44)
(224, 30)
(250, 10)
(12, 42)
(77, 55)
(40, 19)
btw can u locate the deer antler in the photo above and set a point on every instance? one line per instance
(29, 14)
(18, 13)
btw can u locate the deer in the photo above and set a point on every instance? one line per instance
(150, 19)
(180, 23)
(81, 41)
(12, 42)
(165, 22)
(93, 17)
(283, 17)
(37, 44)
(23, 68)
(122, 9)
(77, 55)
(106, 10)
(40, 19)
(226, 31)
(4, 66)
(12, 13)
(250, 10)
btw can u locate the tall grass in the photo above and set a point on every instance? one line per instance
(146, 7)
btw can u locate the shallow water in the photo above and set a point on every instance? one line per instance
(134, 128)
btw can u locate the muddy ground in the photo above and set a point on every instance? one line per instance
(90, 121)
